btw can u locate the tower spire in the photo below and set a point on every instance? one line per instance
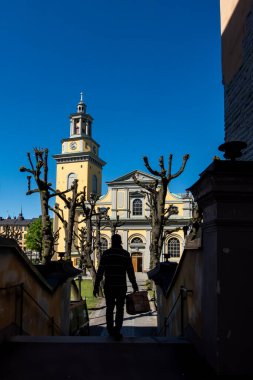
(81, 106)
(20, 216)
(80, 122)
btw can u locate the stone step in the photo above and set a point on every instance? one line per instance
(92, 358)
(96, 339)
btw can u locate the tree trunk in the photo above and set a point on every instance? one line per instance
(89, 262)
(98, 244)
(88, 251)
(47, 236)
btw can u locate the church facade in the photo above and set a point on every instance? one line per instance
(125, 201)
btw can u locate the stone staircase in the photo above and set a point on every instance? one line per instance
(140, 355)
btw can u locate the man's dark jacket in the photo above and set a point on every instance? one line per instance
(114, 264)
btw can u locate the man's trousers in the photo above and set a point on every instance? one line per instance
(114, 297)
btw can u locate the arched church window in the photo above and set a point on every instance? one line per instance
(174, 247)
(71, 178)
(94, 184)
(136, 240)
(137, 207)
(104, 244)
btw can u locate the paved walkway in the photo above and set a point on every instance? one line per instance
(139, 325)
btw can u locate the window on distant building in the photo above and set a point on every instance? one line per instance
(94, 184)
(174, 247)
(104, 244)
(137, 207)
(71, 178)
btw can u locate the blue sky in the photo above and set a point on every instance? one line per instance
(151, 75)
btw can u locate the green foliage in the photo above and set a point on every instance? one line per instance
(33, 237)
(148, 285)
(87, 293)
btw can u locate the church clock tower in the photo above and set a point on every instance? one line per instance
(80, 155)
(79, 160)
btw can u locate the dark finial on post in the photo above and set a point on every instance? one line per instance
(232, 149)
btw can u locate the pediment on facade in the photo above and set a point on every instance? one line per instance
(128, 178)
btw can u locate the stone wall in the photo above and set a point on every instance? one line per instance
(218, 313)
(24, 292)
(238, 93)
(189, 275)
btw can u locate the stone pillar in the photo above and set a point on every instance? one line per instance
(114, 204)
(71, 127)
(125, 239)
(224, 193)
(146, 256)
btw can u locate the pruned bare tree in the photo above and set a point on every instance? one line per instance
(156, 194)
(68, 219)
(84, 237)
(114, 224)
(79, 244)
(101, 214)
(39, 171)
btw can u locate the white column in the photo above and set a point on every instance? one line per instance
(70, 131)
(114, 203)
(125, 239)
(146, 255)
(127, 204)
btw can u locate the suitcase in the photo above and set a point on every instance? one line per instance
(137, 302)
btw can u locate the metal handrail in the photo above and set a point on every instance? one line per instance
(11, 286)
(23, 290)
(182, 296)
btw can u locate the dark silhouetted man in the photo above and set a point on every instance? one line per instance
(115, 263)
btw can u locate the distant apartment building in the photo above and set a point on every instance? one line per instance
(15, 228)
(237, 71)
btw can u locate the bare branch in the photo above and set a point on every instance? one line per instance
(24, 169)
(161, 163)
(30, 161)
(45, 164)
(143, 185)
(171, 210)
(29, 192)
(60, 194)
(146, 163)
(57, 213)
(170, 165)
(169, 232)
(185, 158)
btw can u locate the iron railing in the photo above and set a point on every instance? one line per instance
(23, 291)
(182, 296)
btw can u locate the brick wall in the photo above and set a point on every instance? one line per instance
(239, 97)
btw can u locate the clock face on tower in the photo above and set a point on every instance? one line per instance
(73, 145)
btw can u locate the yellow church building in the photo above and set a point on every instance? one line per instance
(126, 202)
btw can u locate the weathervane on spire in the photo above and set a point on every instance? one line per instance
(81, 96)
